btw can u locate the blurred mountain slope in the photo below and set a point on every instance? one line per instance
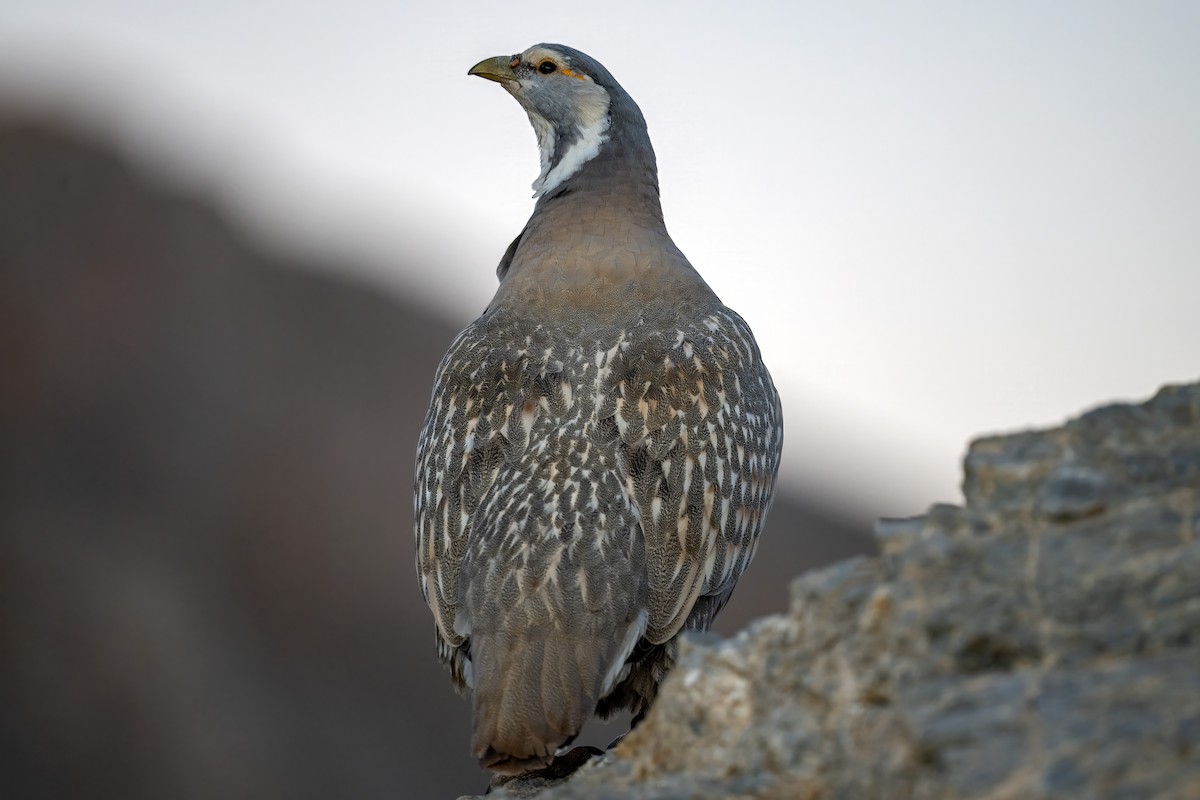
(206, 580)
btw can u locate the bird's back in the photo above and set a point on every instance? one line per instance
(586, 489)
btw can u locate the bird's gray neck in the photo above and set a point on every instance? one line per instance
(600, 149)
(565, 147)
(619, 172)
(596, 247)
(597, 240)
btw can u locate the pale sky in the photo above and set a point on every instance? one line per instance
(941, 219)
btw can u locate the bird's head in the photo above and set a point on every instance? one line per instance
(574, 104)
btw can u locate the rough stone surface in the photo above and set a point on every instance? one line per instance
(1042, 641)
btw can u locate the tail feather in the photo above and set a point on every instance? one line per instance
(534, 690)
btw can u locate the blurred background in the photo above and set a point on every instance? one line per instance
(235, 239)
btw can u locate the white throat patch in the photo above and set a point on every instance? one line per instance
(582, 151)
(592, 127)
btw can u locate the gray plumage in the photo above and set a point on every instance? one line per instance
(601, 446)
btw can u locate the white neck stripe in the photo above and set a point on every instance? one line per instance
(581, 151)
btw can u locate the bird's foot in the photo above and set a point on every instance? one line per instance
(563, 767)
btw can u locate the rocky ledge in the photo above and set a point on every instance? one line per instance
(1041, 641)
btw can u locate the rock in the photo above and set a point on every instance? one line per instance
(1042, 641)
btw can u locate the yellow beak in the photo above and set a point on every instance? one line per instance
(494, 69)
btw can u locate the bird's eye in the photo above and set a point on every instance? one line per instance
(546, 67)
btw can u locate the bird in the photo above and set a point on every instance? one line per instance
(602, 443)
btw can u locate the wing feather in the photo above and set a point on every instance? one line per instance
(703, 432)
(690, 422)
(476, 421)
